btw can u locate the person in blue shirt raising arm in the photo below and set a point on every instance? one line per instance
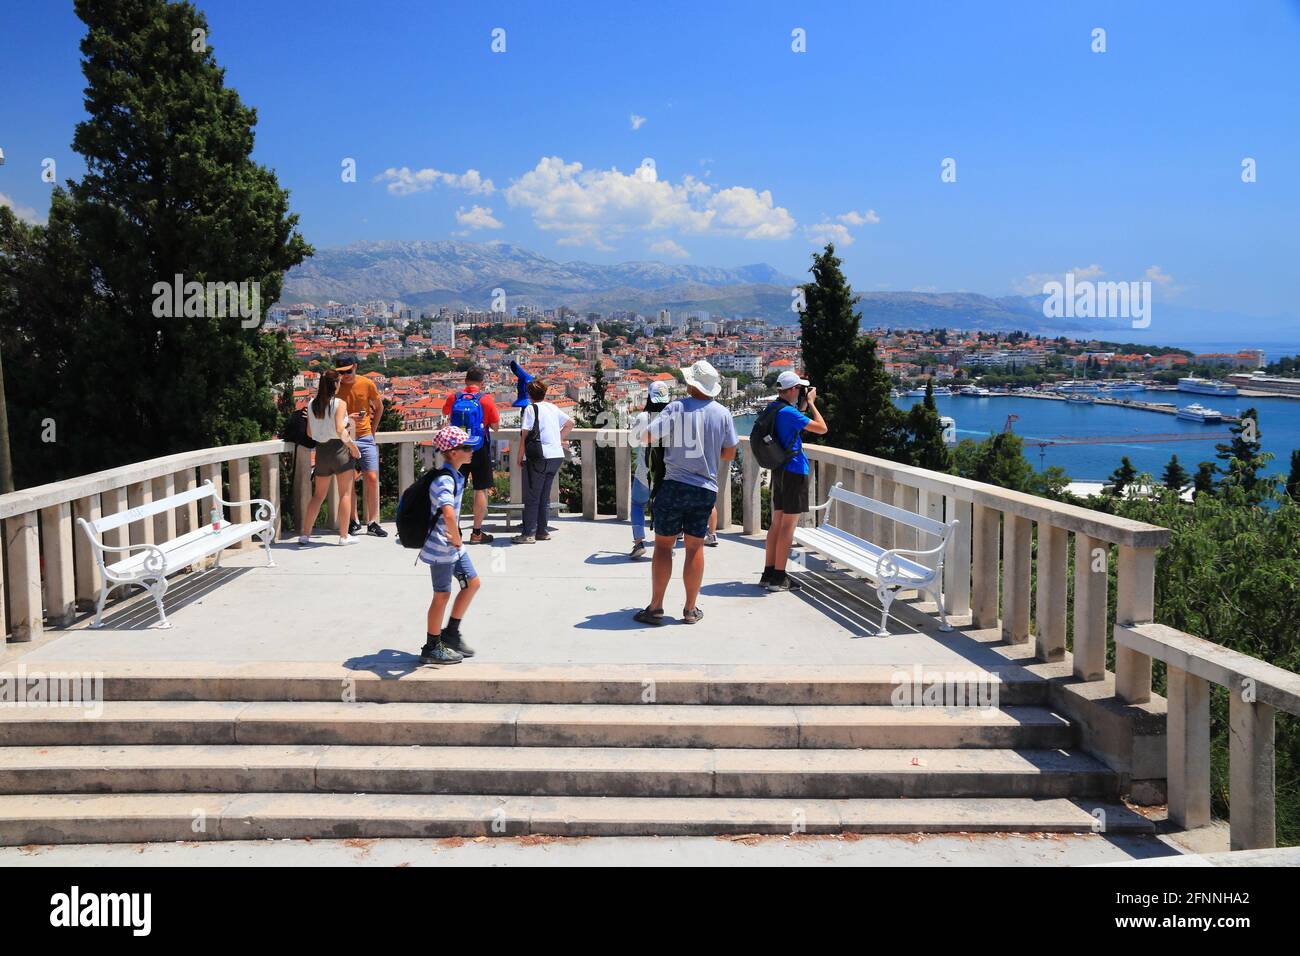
(790, 483)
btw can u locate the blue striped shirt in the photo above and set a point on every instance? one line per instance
(445, 490)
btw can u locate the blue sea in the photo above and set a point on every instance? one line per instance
(977, 418)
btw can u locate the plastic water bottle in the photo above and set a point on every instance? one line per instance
(216, 520)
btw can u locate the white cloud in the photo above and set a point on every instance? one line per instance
(854, 218)
(824, 232)
(596, 207)
(404, 181)
(1033, 283)
(1162, 278)
(25, 213)
(666, 247)
(478, 217)
(637, 121)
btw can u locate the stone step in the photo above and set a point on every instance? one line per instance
(403, 680)
(534, 725)
(556, 771)
(159, 817)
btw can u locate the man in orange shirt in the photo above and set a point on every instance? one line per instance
(474, 410)
(365, 408)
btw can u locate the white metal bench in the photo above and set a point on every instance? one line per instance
(887, 568)
(150, 568)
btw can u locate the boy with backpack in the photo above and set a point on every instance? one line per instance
(473, 410)
(776, 441)
(429, 512)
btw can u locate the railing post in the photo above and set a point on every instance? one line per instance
(622, 477)
(332, 507)
(808, 518)
(241, 489)
(301, 486)
(827, 475)
(865, 485)
(1188, 728)
(1053, 566)
(114, 502)
(1252, 775)
(56, 547)
(751, 507)
(140, 493)
(589, 509)
(1091, 556)
(1017, 538)
(932, 508)
(22, 551)
(724, 495)
(405, 466)
(86, 569)
(909, 499)
(187, 514)
(1135, 583)
(956, 568)
(517, 476)
(210, 473)
(269, 468)
(164, 522)
(884, 531)
(985, 570)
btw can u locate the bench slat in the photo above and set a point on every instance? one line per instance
(900, 515)
(109, 522)
(861, 560)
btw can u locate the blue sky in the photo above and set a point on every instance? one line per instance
(1115, 162)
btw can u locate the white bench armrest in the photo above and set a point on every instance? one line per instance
(265, 510)
(155, 561)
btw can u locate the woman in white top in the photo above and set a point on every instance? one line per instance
(540, 466)
(336, 453)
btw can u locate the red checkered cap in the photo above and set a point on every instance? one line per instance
(448, 437)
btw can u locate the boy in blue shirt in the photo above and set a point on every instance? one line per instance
(444, 551)
(789, 484)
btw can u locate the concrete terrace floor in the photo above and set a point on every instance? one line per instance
(570, 599)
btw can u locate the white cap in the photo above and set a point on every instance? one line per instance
(659, 393)
(789, 380)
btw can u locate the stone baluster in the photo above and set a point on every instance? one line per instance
(1252, 771)
(1135, 583)
(86, 568)
(1017, 537)
(1091, 556)
(985, 566)
(269, 470)
(1188, 729)
(956, 568)
(588, 446)
(1053, 568)
(56, 548)
(241, 490)
(164, 522)
(23, 562)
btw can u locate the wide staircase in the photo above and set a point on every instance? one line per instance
(187, 751)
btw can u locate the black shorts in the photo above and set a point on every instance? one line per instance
(789, 492)
(479, 468)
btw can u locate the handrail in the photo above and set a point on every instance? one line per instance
(39, 497)
(1256, 689)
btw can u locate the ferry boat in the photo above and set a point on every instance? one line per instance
(1205, 386)
(1199, 413)
(1077, 388)
(1112, 388)
(973, 391)
(941, 391)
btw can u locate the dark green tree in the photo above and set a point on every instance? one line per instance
(1243, 457)
(998, 460)
(828, 328)
(1175, 476)
(170, 190)
(1293, 478)
(595, 412)
(1203, 480)
(927, 447)
(1121, 478)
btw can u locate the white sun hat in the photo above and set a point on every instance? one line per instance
(703, 377)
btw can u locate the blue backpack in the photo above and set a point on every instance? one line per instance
(467, 413)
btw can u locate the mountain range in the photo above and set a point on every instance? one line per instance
(428, 275)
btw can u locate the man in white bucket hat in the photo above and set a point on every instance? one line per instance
(698, 435)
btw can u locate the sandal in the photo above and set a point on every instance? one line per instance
(691, 616)
(649, 615)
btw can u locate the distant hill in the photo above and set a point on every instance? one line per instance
(463, 274)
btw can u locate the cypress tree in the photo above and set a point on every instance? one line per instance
(170, 189)
(1175, 476)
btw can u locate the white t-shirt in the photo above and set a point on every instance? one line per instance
(552, 420)
(323, 429)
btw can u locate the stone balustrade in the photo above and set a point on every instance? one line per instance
(49, 572)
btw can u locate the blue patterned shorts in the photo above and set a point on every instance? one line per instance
(682, 508)
(443, 571)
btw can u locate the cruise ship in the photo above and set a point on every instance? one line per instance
(1077, 388)
(1113, 388)
(1205, 386)
(1199, 413)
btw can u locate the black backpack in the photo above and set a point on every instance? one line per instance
(768, 451)
(415, 515)
(296, 429)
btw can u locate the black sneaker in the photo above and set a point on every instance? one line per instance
(354, 526)
(457, 643)
(374, 529)
(783, 582)
(439, 653)
(480, 537)
(766, 577)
